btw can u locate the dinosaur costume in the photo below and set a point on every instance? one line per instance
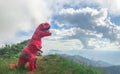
(34, 46)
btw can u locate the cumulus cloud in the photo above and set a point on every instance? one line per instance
(21, 15)
(60, 4)
(61, 44)
(112, 6)
(90, 23)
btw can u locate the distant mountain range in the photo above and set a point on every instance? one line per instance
(111, 57)
(110, 69)
(106, 67)
(81, 59)
(86, 61)
(103, 66)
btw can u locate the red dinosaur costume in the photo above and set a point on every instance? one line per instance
(34, 46)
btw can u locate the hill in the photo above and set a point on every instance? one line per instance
(12, 51)
(51, 64)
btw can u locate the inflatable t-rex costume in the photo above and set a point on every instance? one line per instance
(34, 46)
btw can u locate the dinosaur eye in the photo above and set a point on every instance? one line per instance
(48, 28)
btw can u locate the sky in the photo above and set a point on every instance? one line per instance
(75, 24)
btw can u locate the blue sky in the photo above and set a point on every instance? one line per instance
(75, 24)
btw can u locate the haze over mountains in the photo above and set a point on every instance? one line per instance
(106, 61)
(111, 57)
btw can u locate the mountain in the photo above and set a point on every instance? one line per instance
(55, 64)
(101, 65)
(111, 69)
(86, 61)
(105, 67)
(106, 56)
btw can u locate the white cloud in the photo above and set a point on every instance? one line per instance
(90, 23)
(86, 23)
(112, 6)
(21, 15)
(59, 44)
(103, 44)
(63, 32)
(60, 4)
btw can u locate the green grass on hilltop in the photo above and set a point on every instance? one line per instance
(51, 64)
(54, 64)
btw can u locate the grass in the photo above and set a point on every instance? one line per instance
(54, 64)
(5, 69)
(51, 64)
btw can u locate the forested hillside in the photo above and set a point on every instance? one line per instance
(10, 51)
